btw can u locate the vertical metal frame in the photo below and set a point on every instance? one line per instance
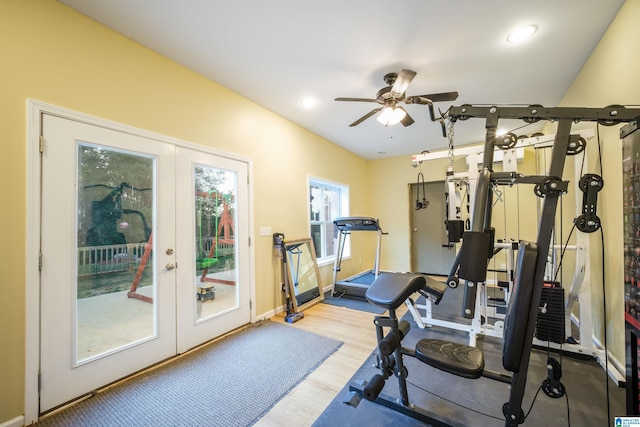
(481, 216)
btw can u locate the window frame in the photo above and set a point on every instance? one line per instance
(344, 192)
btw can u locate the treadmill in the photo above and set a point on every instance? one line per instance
(355, 286)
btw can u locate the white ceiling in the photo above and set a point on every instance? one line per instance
(276, 52)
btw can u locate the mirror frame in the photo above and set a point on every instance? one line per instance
(316, 272)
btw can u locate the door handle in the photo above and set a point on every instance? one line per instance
(169, 267)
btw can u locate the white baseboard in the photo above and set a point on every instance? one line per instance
(16, 422)
(267, 315)
(280, 309)
(617, 370)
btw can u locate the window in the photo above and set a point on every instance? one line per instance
(327, 201)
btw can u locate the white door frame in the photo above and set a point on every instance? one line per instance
(35, 109)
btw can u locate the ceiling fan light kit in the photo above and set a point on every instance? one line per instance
(389, 96)
(391, 116)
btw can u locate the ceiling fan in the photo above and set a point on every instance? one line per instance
(389, 96)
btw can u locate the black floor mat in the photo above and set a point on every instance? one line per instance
(478, 403)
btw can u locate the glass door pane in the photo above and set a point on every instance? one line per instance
(115, 281)
(215, 289)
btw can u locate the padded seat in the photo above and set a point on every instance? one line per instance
(455, 358)
(390, 290)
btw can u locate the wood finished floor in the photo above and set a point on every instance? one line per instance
(304, 404)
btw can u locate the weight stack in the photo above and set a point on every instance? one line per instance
(550, 325)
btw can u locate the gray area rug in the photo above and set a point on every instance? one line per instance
(231, 382)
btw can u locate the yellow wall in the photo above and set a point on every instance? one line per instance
(390, 197)
(51, 53)
(610, 76)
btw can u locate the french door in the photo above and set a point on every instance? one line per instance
(144, 254)
(213, 253)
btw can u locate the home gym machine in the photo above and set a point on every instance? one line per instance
(355, 286)
(491, 305)
(391, 290)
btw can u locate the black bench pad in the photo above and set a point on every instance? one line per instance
(390, 290)
(455, 358)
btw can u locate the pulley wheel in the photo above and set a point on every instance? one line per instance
(507, 141)
(612, 121)
(519, 417)
(576, 147)
(453, 282)
(593, 180)
(464, 117)
(533, 109)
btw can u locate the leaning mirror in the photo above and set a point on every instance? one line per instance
(303, 273)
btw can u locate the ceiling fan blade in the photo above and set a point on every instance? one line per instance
(365, 117)
(440, 97)
(407, 120)
(402, 82)
(357, 99)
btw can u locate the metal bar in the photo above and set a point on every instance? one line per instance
(399, 366)
(545, 229)
(490, 138)
(509, 178)
(376, 267)
(613, 114)
(338, 260)
(412, 411)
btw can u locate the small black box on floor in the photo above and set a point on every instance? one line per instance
(550, 325)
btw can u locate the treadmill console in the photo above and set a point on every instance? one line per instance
(355, 223)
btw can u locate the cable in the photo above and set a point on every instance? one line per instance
(518, 202)
(604, 318)
(569, 412)
(599, 148)
(604, 291)
(561, 226)
(420, 184)
(564, 249)
(455, 403)
(568, 409)
(532, 402)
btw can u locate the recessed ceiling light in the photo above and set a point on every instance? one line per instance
(308, 102)
(521, 34)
